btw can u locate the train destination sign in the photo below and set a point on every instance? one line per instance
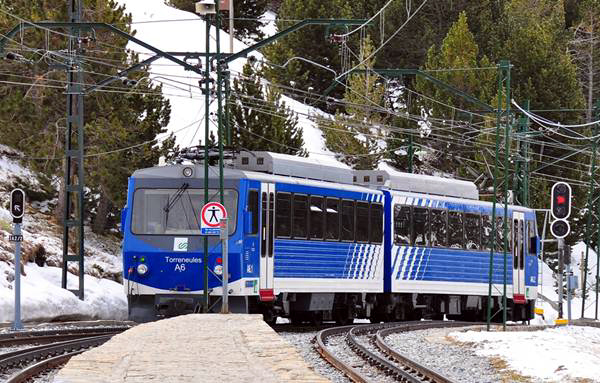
(210, 218)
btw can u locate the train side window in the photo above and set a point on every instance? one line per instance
(376, 223)
(253, 209)
(316, 218)
(402, 218)
(455, 230)
(420, 232)
(486, 232)
(362, 221)
(532, 233)
(283, 215)
(500, 234)
(473, 231)
(300, 217)
(439, 228)
(332, 219)
(347, 220)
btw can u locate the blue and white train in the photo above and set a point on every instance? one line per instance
(312, 242)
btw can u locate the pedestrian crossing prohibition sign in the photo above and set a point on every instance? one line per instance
(210, 218)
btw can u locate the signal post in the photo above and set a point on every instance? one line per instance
(17, 210)
(561, 210)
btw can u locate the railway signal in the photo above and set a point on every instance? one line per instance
(17, 210)
(17, 205)
(560, 208)
(561, 200)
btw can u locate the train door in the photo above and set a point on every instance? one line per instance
(519, 251)
(267, 225)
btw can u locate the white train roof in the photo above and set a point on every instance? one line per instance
(416, 183)
(293, 166)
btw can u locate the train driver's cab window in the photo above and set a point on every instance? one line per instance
(473, 231)
(420, 226)
(439, 228)
(332, 219)
(455, 230)
(402, 215)
(283, 217)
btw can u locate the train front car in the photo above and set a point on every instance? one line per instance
(163, 250)
(438, 243)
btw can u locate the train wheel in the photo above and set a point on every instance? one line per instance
(270, 317)
(316, 318)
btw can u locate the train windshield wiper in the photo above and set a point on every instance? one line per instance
(173, 201)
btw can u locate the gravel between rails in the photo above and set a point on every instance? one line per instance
(432, 349)
(303, 342)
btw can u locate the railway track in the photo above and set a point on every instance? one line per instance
(48, 350)
(358, 350)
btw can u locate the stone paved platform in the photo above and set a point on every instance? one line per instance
(192, 348)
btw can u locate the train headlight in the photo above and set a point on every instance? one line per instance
(142, 269)
(218, 269)
(188, 172)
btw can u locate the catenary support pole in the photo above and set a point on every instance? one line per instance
(74, 117)
(231, 16)
(590, 209)
(505, 64)
(206, 135)
(225, 256)
(17, 325)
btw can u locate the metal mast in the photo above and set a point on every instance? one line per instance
(74, 155)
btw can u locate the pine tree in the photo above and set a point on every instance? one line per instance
(453, 63)
(356, 135)
(261, 120)
(32, 117)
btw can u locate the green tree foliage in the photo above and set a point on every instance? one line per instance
(33, 117)
(261, 120)
(460, 53)
(356, 135)
(247, 14)
(309, 43)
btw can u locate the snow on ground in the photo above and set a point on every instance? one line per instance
(548, 288)
(553, 355)
(42, 295)
(42, 298)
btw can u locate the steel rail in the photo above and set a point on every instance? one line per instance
(51, 336)
(50, 356)
(328, 355)
(406, 371)
(375, 360)
(410, 364)
(45, 365)
(16, 358)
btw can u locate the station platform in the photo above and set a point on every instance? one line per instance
(192, 348)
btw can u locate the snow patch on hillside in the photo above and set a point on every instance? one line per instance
(186, 32)
(42, 296)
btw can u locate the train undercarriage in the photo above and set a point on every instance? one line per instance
(342, 308)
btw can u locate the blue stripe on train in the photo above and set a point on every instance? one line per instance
(312, 259)
(455, 265)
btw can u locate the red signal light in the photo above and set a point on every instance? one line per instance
(561, 200)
